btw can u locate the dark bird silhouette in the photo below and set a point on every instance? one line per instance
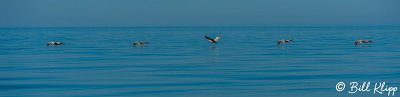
(284, 41)
(140, 43)
(213, 40)
(362, 41)
(54, 43)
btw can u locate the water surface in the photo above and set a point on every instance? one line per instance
(180, 62)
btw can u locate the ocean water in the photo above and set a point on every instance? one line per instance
(180, 62)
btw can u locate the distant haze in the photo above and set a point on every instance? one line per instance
(220, 13)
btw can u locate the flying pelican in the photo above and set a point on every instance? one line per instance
(141, 43)
(213, 40)
(284, 41)
(362, 41)
(54, 43)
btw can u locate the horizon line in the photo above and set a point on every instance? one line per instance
(206, 26)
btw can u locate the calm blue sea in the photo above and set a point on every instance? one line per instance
(180, 62)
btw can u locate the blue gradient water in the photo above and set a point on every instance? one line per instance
(179, 62)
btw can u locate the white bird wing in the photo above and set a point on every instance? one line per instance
(217, 38)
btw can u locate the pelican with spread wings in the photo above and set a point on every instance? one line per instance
(215, 40)
(54, 43)
(140, 43)
(284, 41)
(362, 41)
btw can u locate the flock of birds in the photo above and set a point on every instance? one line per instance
(215, 40)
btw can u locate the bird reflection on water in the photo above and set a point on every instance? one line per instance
(362, 46)
(213, 47)
(284, 47)
(140, 46)
(213, 55)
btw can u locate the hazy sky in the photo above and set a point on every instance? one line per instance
(131, 13)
